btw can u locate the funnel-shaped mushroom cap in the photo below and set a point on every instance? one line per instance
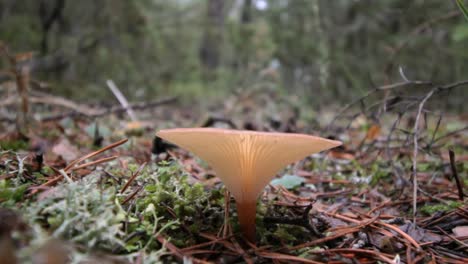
(246, 160)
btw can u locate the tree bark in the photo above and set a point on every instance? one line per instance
(210, 50)
(48, 19)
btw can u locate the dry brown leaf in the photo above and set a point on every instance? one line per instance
(341, 155)
(373, 132)
(460, 231)
(65, 149)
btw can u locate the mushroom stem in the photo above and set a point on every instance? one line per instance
(246, 213)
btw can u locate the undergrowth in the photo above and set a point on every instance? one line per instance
(93, 214)
(90, 211)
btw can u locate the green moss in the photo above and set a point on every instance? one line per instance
(379, 172)
(13, 145)
(172, 197)
(431, 209)
(10, 192)
(81, 212)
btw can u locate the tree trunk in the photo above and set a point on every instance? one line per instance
(210, 50)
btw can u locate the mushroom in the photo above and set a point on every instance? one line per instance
(246, 160)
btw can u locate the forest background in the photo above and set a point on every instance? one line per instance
(323, 52)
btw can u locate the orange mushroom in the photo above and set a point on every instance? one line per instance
(246, 160)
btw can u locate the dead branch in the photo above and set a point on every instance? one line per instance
(82, 110)
(114, 110)
(371, 92)
(450, 134)
(410, 101)
(455, 175)
(415, 152)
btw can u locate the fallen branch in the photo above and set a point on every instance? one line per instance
(449, 134)
(114, 110)
(415, 153)
(371, 92)
(82, 110)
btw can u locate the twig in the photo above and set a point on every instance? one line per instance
(378, 255)
(401, 233)
(130, 196)
(52, 100)
(370, 92)
(298, 221)
(433, 197)
(177, 252)
(79, 109)
(97, 152)
(122, 100)
(402, 74)
(415, 152)
(113, 110)
(450, 134)
(435, 130)
(412, 100)
(172, 248)
(455, 174)
(201, 245)
(462, 244)
(135, 174)
(71, 166)
(94, 162)
(285, 257)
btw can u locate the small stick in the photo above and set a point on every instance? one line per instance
(71, 166)
(415, 152)
(112, 110)
(94, 162)
(92, 154)
(462, 244)
(227, 204)
(171, 247)
(298, 221)
(122, 100)
(455, 174)
(137, 172)
(435, 130)
(381, 256)
(130, 196)
(451, 134)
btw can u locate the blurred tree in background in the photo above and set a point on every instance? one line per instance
(321, 50)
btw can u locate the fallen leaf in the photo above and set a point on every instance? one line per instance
(373, 132)
(460, 231)
(288, 181)
(419, 234)
(65, 149)
(341, 155)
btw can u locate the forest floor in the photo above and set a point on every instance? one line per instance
(97, 188)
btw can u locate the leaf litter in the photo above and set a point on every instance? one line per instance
(132, 198)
